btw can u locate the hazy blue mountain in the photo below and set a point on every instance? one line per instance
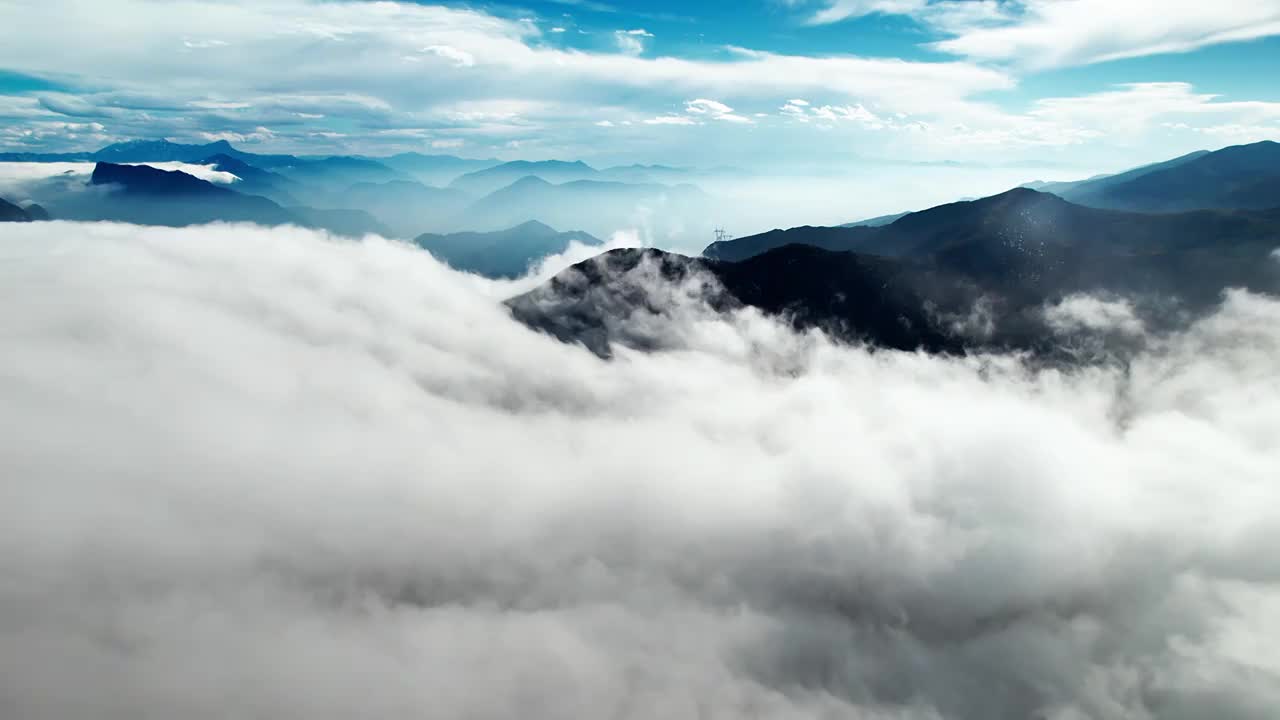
(10, 212)
(256, 181)
(435, 169)
(598, 207)
(339, 172)
(140, 151)
(506, 253)
(483, 182)
(46, 157)
(340, 221)
(407, 207)
(645, 174)
(149, 196)
(143, 151)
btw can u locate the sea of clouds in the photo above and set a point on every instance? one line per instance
(254, 473)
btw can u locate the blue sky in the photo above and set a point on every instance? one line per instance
(1076, 84)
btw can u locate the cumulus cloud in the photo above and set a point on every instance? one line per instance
(380, 50)
(715, 110)
(460, 58)
(264, 473)
(631, 42)
(804, 112)
(1093, 313)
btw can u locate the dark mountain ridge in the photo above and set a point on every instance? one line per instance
(973, 275)
(1017, 225)
(11, 212)
(1239, 177)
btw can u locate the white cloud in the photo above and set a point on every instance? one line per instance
(1091, 313)
(631, 42)
(604, 123)
(203, 44)
(460, 58)
(671, 120)
(258, 444)
(348, 81)
(1052, 33)
(715, 110)
(838, 10)
(829, 115)
(449, 144)
(702, 107)
(258, 134)
(337, 50)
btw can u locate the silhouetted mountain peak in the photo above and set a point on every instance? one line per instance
(144, 179)
(527, 182)
(534, 227)
(226, 163)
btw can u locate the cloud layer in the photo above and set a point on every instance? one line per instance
(311, 77)
(265, 473)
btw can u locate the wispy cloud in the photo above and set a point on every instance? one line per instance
(1051, 33)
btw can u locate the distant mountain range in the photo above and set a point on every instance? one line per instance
(557, 172)
(1181, 229)
(256, 181)
(136, 151)
(434, 169)
(149, 196)
(1245, 177)
(407, 206)
(483, 182)
(506, 253)
(402, 195)
(598, 206)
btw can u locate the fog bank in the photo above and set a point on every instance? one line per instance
(263, 473)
